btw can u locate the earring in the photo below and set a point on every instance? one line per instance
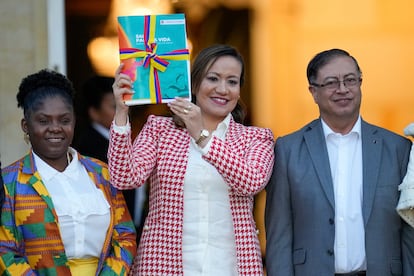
(26, 138)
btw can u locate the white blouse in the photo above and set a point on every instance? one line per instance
(208, 232)
(83, 211)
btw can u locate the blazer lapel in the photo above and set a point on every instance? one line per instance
(371, 156)
(233, 133)
(315, 142)
(31, 176)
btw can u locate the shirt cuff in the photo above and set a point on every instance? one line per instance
(122, 129)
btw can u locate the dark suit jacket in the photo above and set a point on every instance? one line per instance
(300, 207)
(92, 143)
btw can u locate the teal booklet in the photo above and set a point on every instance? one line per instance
(154, 51)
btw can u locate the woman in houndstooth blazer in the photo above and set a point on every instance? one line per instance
(204, 168)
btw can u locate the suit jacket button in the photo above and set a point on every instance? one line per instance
(331, 221)
(330, 252)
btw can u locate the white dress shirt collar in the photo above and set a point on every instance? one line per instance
(356, 128)
(47, 172)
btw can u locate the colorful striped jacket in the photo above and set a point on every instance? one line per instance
(30, 240)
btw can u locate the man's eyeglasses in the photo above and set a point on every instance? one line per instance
(334, 84)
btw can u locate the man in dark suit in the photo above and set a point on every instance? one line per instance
(94, 139)
(330, 207)
(100, 108)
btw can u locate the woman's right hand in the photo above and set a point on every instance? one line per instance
(122, 85)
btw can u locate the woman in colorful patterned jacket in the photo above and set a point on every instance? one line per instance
(204, 168)
(61, 215)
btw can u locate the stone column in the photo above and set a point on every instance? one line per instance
(23, 50)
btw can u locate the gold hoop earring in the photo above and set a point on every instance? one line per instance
(26, 138)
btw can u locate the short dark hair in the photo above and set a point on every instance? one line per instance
(324, 57)
(95, 88)
(35, 88)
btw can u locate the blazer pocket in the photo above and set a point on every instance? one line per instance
(396, 267)
(299, 256)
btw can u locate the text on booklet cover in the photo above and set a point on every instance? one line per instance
(153, 49)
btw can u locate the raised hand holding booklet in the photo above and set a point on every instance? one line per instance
(154, 51)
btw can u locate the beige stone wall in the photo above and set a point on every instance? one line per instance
(23, 50)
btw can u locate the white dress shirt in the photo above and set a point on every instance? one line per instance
(101, 129)
(345, 158)
(208, 232)
(83, 212)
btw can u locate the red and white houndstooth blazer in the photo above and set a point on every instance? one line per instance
(160, 153)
